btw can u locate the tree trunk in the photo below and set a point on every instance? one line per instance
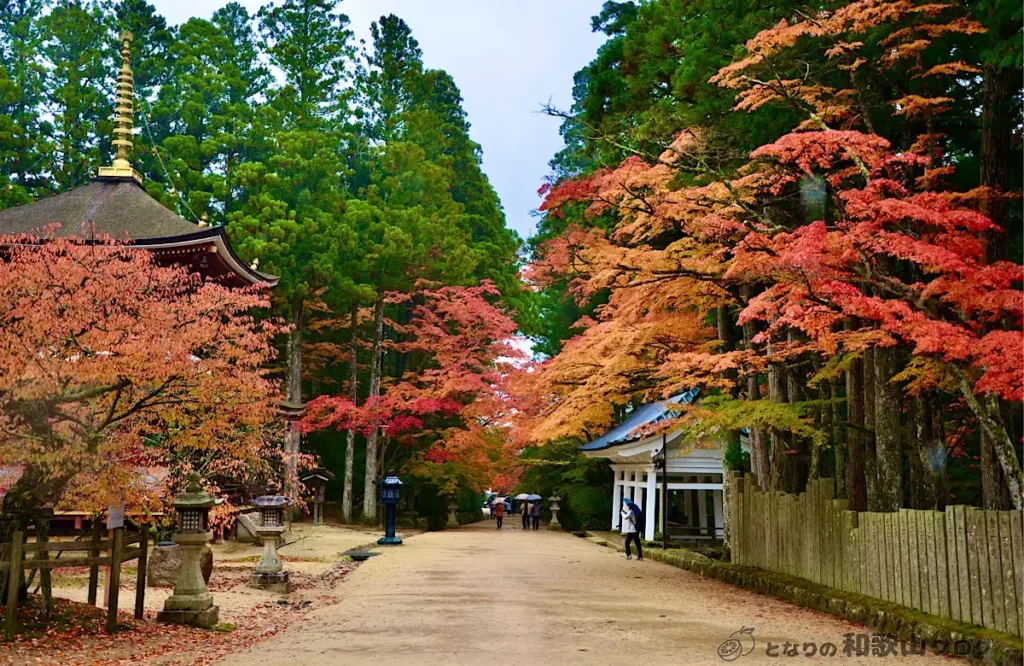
(925, 459)
(817, 469)
(759, 460)
(370, 476)
(838, 441)
(799, 459)
(785, 458)
(856, 490)
(888, 457)
(993, 489)
(870, 471)
(991, 421)
(293, 394)
(919, 457)
(353, 395)
(938, 432)
(997, 124)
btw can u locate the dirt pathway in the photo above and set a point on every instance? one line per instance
(478, 595)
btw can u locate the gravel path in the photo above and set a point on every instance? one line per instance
(478, 595)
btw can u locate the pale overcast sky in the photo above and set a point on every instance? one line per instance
(508, 57)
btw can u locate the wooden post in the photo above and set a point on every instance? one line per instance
(114, 578)
(13, 583)
(45, 579)
(108, 569)
(140, 578)
(94, 569)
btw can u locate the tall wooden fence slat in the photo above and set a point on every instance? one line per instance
(941, 563)
(1011, 586)
(995, 569)
(903, 530)
(1017, 539)
(953, 566)
(892, 552)
(961, 563)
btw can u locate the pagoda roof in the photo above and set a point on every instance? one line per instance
(121, 209)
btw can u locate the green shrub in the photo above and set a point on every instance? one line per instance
(467, 517)
(586, 507)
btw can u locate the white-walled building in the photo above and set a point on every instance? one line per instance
(695, 476)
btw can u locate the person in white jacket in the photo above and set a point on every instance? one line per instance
(629, 529)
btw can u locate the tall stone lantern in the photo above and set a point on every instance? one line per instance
(269, 574)
(191, 602)
(554, 524)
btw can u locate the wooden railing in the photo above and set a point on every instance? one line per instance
(962, 563)
(97, 552)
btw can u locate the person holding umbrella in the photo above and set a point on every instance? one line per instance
(499, 510)
(632, 516)
(535, 510)
(526, 515)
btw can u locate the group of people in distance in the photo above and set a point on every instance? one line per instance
(530, 513)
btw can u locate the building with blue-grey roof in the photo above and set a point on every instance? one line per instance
(693, 495)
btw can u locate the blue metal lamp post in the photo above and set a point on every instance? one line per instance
(390, 495)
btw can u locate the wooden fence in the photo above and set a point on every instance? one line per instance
(964, 563)
(99, 552)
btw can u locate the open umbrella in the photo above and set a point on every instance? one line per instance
(522, 496)
(534, 498)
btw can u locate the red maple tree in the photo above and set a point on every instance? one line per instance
(446, 408)
(111, 364)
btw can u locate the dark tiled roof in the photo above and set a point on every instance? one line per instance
(118, 208)
(645, 415)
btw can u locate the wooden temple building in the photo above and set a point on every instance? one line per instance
(694, 488)
(116, 206)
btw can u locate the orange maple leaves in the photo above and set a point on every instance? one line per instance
(110, 363)
(897, 252)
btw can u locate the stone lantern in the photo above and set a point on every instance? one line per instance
(453, 509)
(390, 496)
(268, 574)
(554, 524)
(191, 602)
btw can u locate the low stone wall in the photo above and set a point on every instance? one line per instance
(939, 634)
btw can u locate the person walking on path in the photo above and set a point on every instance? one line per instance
(629, 528)
(526, 515)
(499, 512)
(536, 515)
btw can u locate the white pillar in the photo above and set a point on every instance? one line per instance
(630, 484)
(702, 510)
(652, 492)
(719, 514)
(616, 499)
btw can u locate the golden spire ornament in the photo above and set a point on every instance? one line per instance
(123, 117)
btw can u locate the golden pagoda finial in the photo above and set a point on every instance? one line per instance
(123, 110)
